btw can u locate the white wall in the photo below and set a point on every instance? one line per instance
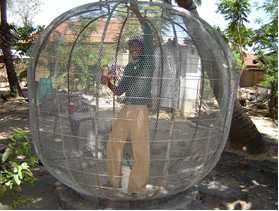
(189, 77)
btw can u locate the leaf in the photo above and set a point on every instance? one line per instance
(27, 149)
(13, 138)
(16, 135)
(5, 156)
(17, 152)
(27, 139)
(24, 165)
(28, 172)
(12, 145)
(23, 200)
(20, 174)
(31, 163)
(15, 167)
(21, 142)
(22, 133)
(6, 207)
(9, 184)
(17, 180)
(31, 181)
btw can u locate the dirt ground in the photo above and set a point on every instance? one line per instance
(255, 188)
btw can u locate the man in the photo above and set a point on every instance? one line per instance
(133, 118)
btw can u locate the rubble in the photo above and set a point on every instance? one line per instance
(249, 97)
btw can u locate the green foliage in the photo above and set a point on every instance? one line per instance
(237, 61)
(14, 173)
(75, 56)
(207, 90)
(80, 57)
(132, 25)
(27, 36)
(266, 46)
(236, 12)
(222, 33)
(235, 53)
(266, 37)
(269, 64)
(13, 91)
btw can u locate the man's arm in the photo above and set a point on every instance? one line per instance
(135, 9)
(148, 37)
(105, 79)
(188, 5)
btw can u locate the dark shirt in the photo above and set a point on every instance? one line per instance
(137, 76)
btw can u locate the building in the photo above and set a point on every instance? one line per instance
(251, 75)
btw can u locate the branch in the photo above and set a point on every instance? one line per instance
(188, 5)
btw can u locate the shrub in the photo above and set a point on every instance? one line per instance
(15, 172)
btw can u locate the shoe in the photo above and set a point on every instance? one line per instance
(136, 195)
(107, 185)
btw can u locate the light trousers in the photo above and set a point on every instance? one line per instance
(132, 120)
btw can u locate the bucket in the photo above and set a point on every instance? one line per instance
(45, 88)
(125, 174)
(71, 108)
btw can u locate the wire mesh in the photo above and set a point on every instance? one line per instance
(171, 119)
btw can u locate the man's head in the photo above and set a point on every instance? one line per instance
(135, 44)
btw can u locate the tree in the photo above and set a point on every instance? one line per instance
(5, 44)
(24, 10)
(266, 37)
(236, 12)
(243, 131)
(266, 46)
(15, 172)
(269, 63)
(27, 36)
(222, 33)
(237, 61)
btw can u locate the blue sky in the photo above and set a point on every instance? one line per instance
(53, 8)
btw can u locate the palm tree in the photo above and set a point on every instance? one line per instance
(5, 45)
(243, 131)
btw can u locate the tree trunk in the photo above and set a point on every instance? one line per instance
(12, 78)
(272, 101)
(6, 49)
(243, 131)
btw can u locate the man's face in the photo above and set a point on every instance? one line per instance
(136, 50)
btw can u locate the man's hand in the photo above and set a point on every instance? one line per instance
(104, 78)
(188, 5)
(134, 8)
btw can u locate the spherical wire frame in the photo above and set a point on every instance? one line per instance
(215, 58)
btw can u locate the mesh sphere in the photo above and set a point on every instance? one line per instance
(166, 127)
